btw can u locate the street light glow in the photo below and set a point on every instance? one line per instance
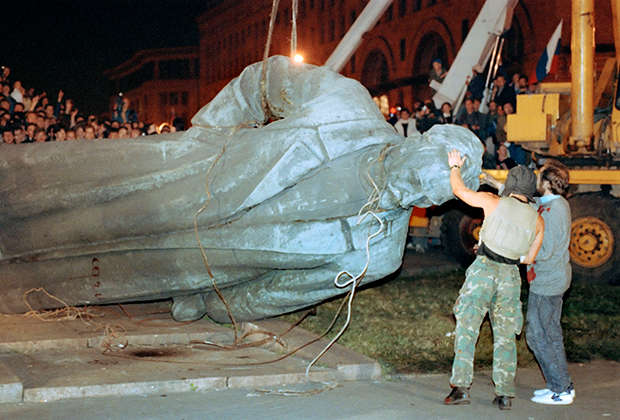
(298, 58)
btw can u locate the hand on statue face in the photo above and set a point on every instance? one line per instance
(455, 159)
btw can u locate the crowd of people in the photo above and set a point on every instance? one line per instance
(31, 116)
(489, 125)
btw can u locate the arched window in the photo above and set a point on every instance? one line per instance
(375, 72)
(383, 103)
(512, 54)
(431, 46)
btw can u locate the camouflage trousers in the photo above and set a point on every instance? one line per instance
(495, 288)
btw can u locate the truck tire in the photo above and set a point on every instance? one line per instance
(595, 237)
(459, 234)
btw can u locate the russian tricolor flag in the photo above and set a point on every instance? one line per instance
(548, 61)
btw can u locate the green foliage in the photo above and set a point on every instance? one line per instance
(406, 324)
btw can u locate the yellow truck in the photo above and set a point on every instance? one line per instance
(578, 123)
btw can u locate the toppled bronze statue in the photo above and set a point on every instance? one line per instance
(96, 222)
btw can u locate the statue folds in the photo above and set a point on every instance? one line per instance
(103, 221)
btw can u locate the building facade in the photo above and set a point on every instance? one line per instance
(395, 57)
(162, 84)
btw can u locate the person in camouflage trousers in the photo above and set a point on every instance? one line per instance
(495, 288)
(511, 233)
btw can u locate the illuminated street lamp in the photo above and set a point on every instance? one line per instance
(298, 58)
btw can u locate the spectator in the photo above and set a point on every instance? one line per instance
(514, 83)
(18, 92)
(437, 72)
(422, 121)
(5, 105)
(504, 161)
(503, 94)
(122, 112)
(79, 131)
(5, 73)
(59, 133)
(6, 95)
(405, 126)
(500, 129)
(8, 137)
(30, 130)
(471, 119)
(524, 87)
(40, 136)
(89, 132)
(20, 134)
(113, 134)
(446, 114)
(475, 87)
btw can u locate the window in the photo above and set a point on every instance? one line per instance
(311, 4)
(402, 8)
(163, 99)
(174, 69)
(137, 78)
(464, 29)
(184, 97)
(353, 63)
(382, 103)
(389, 13)
(343, 26)
(417, 5)
(403, 44)
(174, 98)
(353, 16)
(146, 101)
(332, 30)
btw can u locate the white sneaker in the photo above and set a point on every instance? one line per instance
(551, 398)
(540, 392)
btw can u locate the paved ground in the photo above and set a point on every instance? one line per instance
(139, 349)
(411, 397)
(134, 361)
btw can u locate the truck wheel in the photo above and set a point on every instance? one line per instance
(459, 233)
(595, 237)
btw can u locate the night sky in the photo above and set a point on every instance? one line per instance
(67, 44)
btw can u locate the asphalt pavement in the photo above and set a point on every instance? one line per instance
(135, 362)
